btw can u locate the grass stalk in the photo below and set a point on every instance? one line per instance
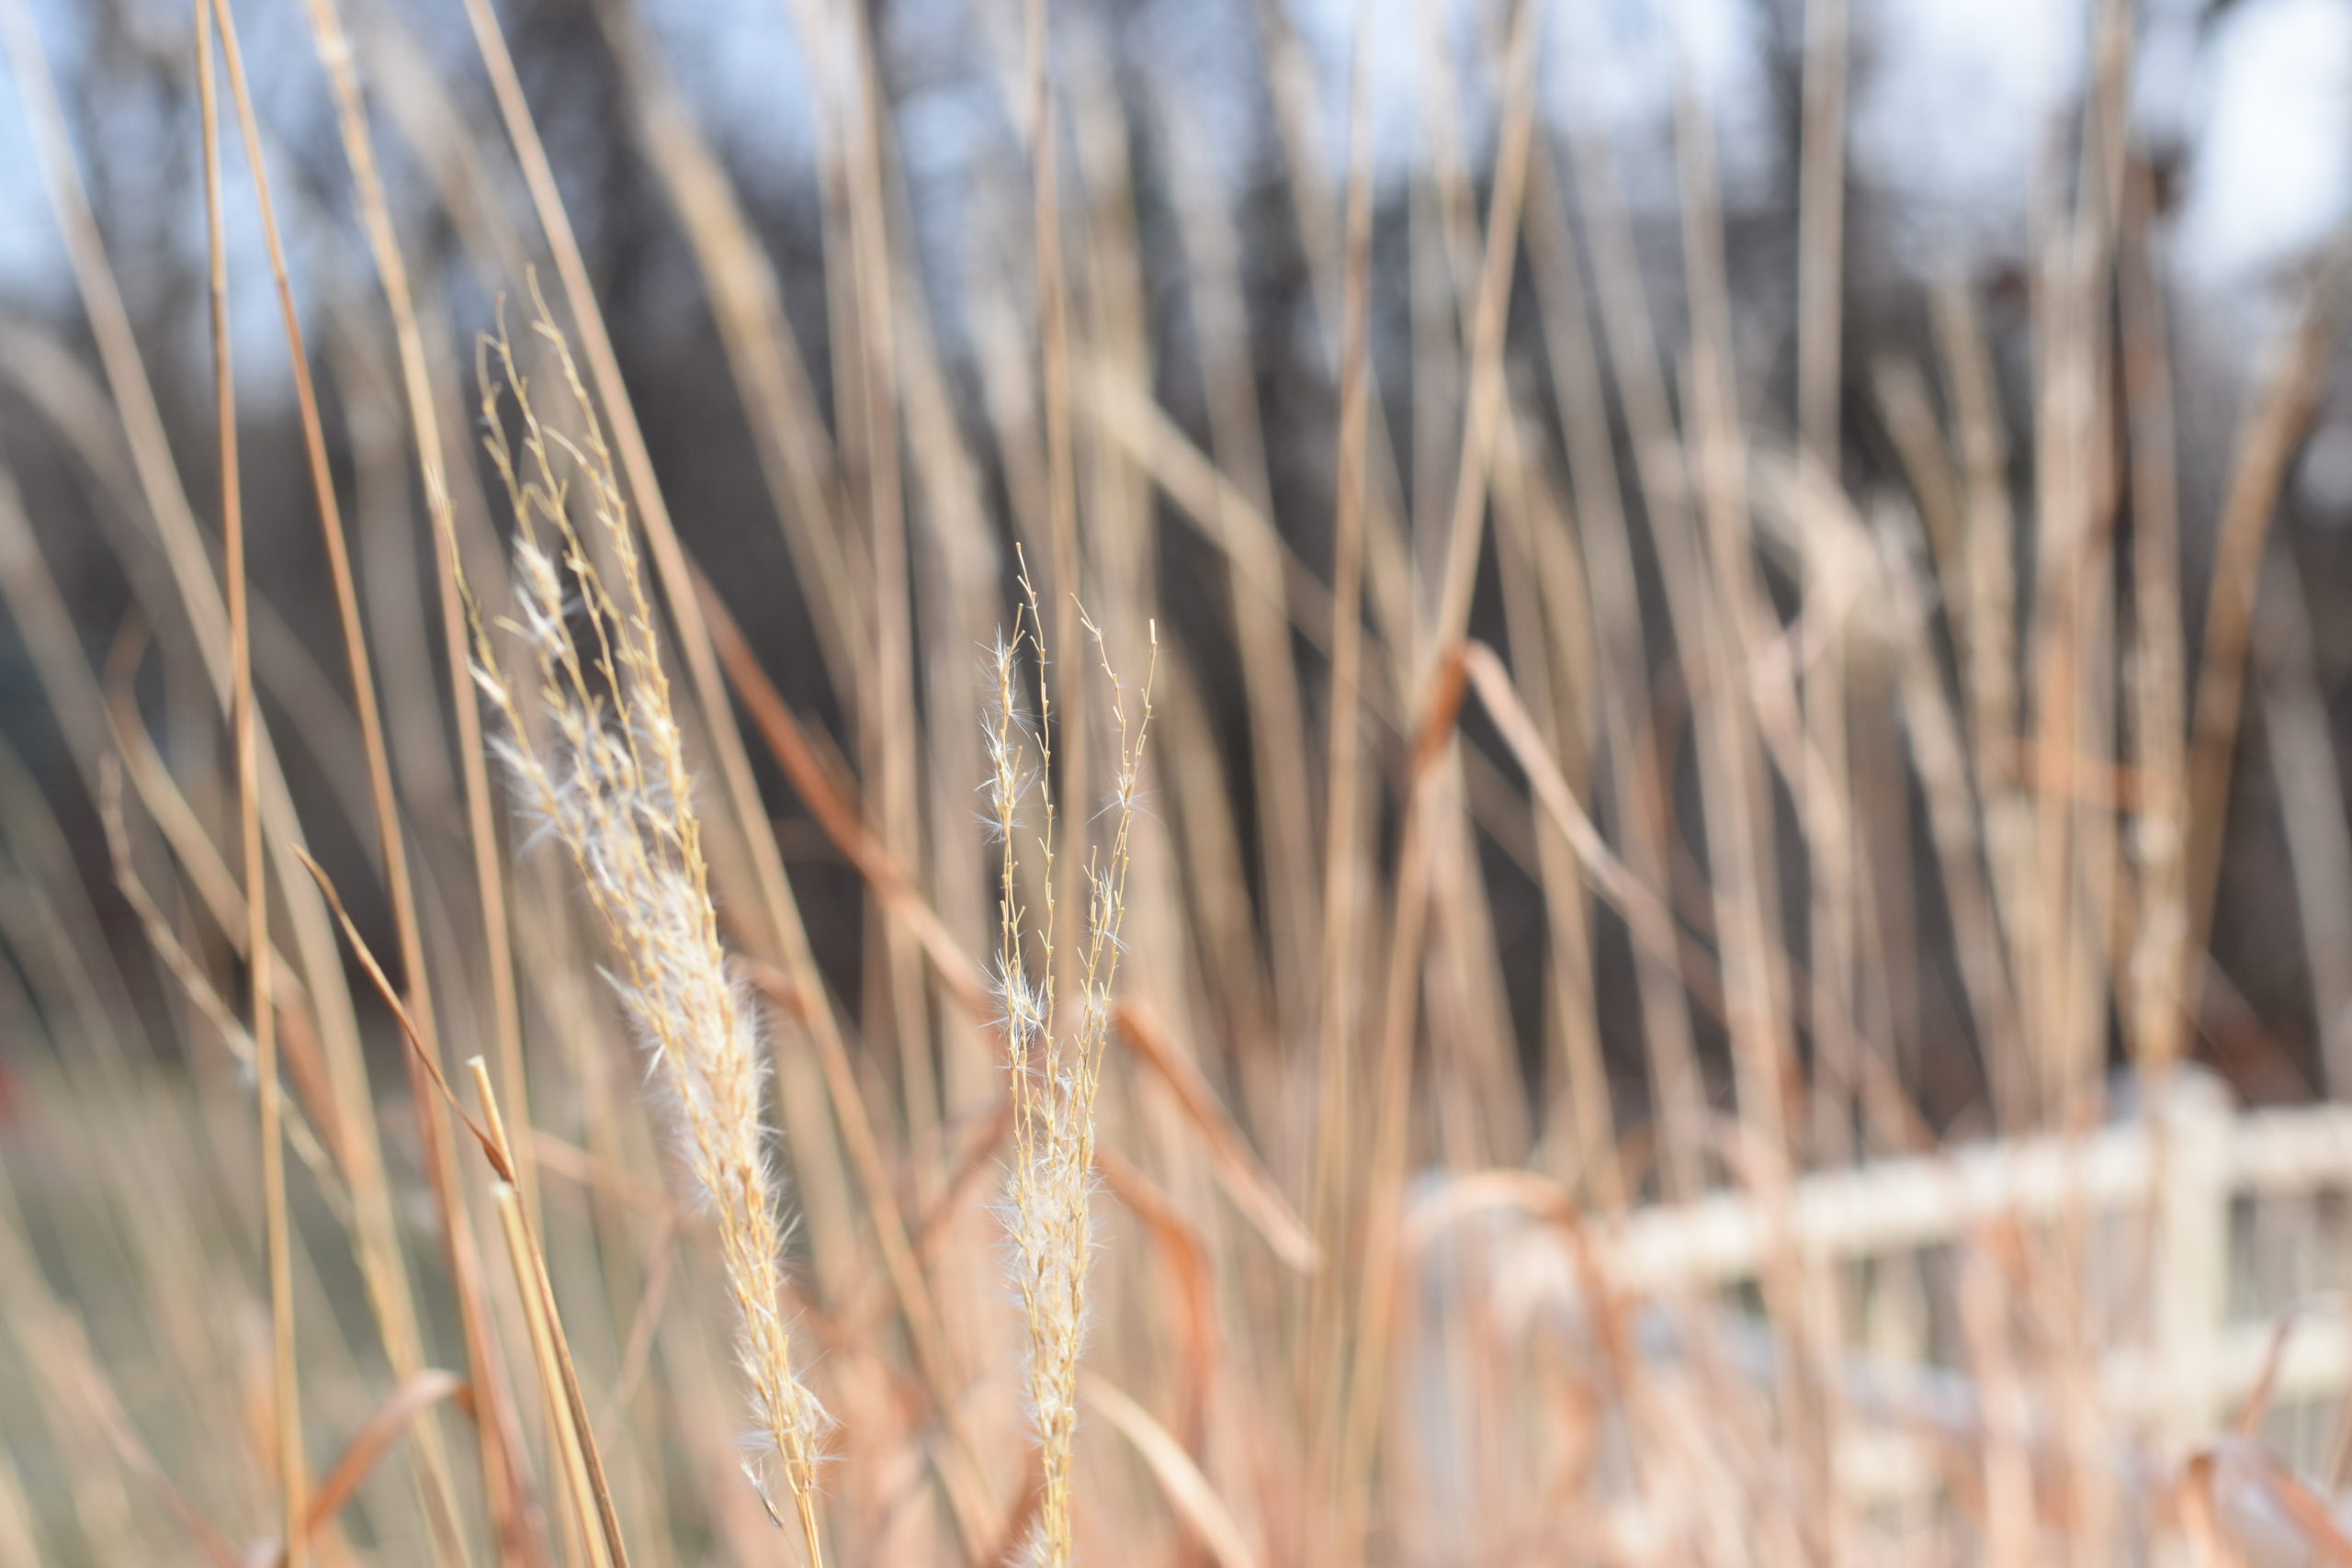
(262, 1018)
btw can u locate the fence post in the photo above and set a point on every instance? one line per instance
(2189, 1166)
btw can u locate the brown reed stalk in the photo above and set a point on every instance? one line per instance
(765, 359)
(1052, 382)
(146, 452)
(1621, 674)
(334, 47)
(495, 1427)
(292, 1480)
(1255, 561)
(1323, 1371)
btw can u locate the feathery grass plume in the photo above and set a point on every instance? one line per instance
(612, 783)
(1054, 1074)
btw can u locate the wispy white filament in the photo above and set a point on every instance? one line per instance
(611, 781)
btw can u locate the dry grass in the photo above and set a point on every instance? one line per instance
(611, 779)
(1056, 1067)
(1320, 1196)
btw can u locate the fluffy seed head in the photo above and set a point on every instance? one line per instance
(603, 767)
(1055, 1070)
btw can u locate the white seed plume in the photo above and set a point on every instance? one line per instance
(610, 780)
(1055, 1071)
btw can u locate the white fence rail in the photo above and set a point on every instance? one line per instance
(2185, 1165)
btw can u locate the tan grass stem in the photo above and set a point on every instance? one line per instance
(494, 1427)
(1334, 1152)
(335, 52)
(179, 537)
(287, 1406)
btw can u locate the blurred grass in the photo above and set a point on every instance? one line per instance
(1573, 779)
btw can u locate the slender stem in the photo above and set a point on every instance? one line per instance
(278, 1240)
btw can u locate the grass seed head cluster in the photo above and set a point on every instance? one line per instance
(1055, 1062)
(596, 753)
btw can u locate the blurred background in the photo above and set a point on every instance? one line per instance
(1830, 648)
(1199, 123)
